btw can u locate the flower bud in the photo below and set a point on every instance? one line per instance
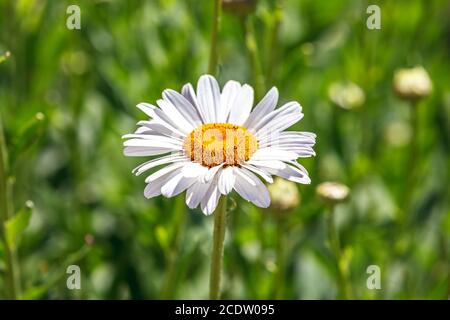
(346, 95)
(332, 192)
(412, 84)
(284, 195)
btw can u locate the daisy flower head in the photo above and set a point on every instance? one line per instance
(211, 142)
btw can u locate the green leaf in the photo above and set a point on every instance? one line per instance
(28, 136)
(34, 293)
(16, 225)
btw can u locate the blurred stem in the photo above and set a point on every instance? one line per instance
(217, 251)
(253, 52)
(274, 39)
(444, 256)
(412, 164)
(344, 285)
(213, 54)
(174, 251)
(280, 256)
(11, 272)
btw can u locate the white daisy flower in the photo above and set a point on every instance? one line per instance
(212, 143)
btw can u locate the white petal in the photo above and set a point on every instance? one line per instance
(145, 151)
(151, 134)
(153, 137)
(194, 170)
(264, 107)
(273, 154)
(211, 173)
(251, 188)
(143, 130)
(153, 188)
(177, 118)
(272, 164)
(226, 180)
(171, 158)
(170, 168)
(259, 171)
(210, 200)
(293, 174)
(189, 93)
(160, 128)
(298, 166)
(301, 151)
(152, 144)
(195, 193)
(227, 98)
(240, 110)
(147, 108)
(282, 117)
(160, 117)
(176, 184)
(208, 97)
(287, 137)
(188, 111)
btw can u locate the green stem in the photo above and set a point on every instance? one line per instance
(412, 165)
(213, 54)
(11, 276)
(217, 250)
(252, 48)
(170, 281)
(280, 256)
(274, 39)
(344, 285)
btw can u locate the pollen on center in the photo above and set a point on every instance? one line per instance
(212, 144)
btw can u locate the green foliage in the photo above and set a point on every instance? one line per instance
(86, 82)
(16, 225)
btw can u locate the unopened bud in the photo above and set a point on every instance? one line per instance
(332, 192)
(284, 195)
(412, 84)
(346, 95)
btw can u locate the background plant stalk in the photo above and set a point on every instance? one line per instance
(217, 252)
(11, 272)
(345, 291)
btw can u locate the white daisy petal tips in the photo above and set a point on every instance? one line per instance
(211, 143)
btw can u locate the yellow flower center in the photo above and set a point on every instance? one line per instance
(212, 144)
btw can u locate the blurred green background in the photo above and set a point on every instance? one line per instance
(67, 97)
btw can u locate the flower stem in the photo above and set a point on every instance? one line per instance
(213, 54)
(412, 165)
(169, 285)
(11, 274)
(344, 285)
(252, 48)
(280, 256)
(217, 251)
(274, 39)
